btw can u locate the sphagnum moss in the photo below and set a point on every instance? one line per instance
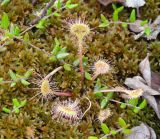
(119, 47)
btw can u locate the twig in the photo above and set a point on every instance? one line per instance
(124, 103)
(53, 72)
(44, 11)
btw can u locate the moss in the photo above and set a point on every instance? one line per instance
(115, 44)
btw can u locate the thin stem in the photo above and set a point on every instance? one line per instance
(113, 90)
(30, 44)
(80, 55)
(29, 28)
(63, 94)
(34, 96)
(123, 103)
(119, 130)
(90, 104)
(53, 72)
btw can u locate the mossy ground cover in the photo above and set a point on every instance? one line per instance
(114, 44)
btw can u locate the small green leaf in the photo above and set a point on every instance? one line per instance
(15, 102)
(67, 67)
(16, 110)
(133, 16)
(57, 14)
(147, 31)
(5, 2)
(41, 24)
(88, 76)
(23, 103)
(136, 110)
(58, 4)
(113, 132)
(24, 82)
(5, 21)
(127, 131)
(49, 11)
(104, 103)
(6, 110)
(123, 106)
(92, 137)
(114, 6)
(69, 5)
(115, 16)
(122, 123)
(105, 22)
(28, 73)
(105, 128)
(1, 80)
(12, 75)
(143, 104)
(110, 95)
(124, 25)
(15, 30)
(120, 9)
(133, 102)
(144, 22)
(13, 84)
(53, 58)
(26, 37)
(62, 55)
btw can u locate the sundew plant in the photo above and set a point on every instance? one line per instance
(74, 69)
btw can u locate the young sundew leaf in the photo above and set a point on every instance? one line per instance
(114, 6)
(49, 11)
(88, 76)
(122, 123)
(5, 21)
(124, 25)
(105, 128)
(132, 17)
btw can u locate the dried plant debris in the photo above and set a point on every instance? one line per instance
(146, 83)
(107, 2)
(153, 28)
(142, 132)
